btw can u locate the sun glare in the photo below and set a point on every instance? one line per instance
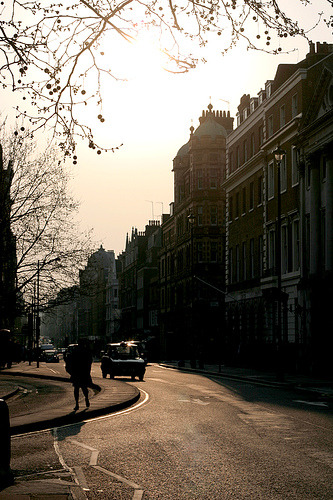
(143, 58)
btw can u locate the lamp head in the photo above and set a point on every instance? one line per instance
(191, 218)
(279, 154)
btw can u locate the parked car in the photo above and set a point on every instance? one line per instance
(46, 347)
(122, 359)
(50, 356)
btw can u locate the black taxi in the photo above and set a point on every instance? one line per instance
(122, 359)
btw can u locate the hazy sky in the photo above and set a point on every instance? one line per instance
(151, 115)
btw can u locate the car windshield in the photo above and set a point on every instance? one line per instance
(124, 352)
(47, 347)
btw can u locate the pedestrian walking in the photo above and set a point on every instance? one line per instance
(78, 365)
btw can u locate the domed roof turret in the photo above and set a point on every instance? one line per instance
(210, 127)
(183, 150)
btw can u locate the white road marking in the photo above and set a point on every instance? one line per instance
(81, 478)
(62, 461)
(266, 419)
(53, 371)
(163, 381)
(78, 473)
(138, 491)
(311, 403)
(199, 402)
(94, 454)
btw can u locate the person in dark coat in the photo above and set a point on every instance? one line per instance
(78, 365)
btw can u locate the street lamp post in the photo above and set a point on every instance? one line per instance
(37, 318)
(191, 220)
(279, 154)
(56, 259)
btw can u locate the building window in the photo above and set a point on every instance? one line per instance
(270, 180)
(295, 245)
(237, 206)
(237, 263)
(213, 178)
(270, 126)
(271, 249)
(181, 192)
(251, 258)
(230, 266)
(244, 259)
(251, 196)
(200, 179)
(245, 151)
(261, 97)
(253, 103)
(213, 216)
(230, 208)
(200, 216)
(282, 116)
(253, 148)
(260, 190)
(261, 135)
(294, 167)
(294, 105)
(283, 175)
(231, 162)
(238, 157)
(284, 249)
(261, 256)
(244, 201)
(200, 252)
(268, 89)
(213, 251)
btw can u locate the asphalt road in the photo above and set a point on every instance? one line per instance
(190, 437)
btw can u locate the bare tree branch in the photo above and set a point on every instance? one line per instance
(48, 50)
(42, 220)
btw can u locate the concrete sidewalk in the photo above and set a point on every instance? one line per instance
(317, 387)
(106, 397)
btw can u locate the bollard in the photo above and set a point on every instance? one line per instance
(6, 476)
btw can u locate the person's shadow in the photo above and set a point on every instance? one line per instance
(62, 433)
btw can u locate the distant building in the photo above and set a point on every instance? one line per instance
(92, 319)
(138, 274)
(112, 303)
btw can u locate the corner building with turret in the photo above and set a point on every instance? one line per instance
(192, 256)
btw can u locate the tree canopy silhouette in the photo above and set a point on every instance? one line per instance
(59, 55)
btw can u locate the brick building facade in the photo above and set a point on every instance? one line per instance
(273, 237)
(192, 256)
